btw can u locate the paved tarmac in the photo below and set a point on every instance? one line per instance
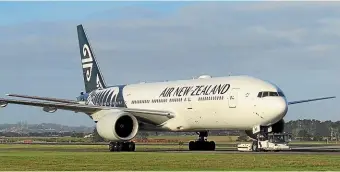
(219, 151)
(294, 150)
(280, 152)
(303, 149)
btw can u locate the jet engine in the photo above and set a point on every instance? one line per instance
(50, 109)
(117, 126)
(3, 104)
(276, 128)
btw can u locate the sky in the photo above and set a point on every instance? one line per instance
(295, 45)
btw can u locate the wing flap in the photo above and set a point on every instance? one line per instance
(64, 106)
(309, 100)
(43, 98)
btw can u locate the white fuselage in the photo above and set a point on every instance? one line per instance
(209, 103)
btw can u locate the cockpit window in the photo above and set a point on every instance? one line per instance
(281, 94)
(273, 94)
(260, 94)
(265, 94)
(270, 94)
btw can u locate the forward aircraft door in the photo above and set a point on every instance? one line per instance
(233, 98)
(188, 103)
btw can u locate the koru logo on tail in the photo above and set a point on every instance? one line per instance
(87, 61)
(99, 85)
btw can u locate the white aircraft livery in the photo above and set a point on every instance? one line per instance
(196, 105)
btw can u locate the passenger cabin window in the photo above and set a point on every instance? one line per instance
(270, 94)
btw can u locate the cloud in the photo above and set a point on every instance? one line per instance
(286, 5)
(292, 44)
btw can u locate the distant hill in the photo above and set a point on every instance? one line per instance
(23, 127)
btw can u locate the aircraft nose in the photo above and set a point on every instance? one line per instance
(277, 109)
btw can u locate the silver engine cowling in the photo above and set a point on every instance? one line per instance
(117, 126)
(49, 109)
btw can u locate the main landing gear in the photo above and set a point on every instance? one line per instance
(202, 143)
(122, 146)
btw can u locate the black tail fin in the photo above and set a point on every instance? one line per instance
(93, 79)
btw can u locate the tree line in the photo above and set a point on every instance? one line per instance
(306, 129)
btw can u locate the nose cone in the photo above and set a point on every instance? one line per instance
(272, 109)
(276, 109)
(279, 107)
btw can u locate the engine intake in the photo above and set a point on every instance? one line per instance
(117, 126)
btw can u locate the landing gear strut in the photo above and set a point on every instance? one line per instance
(122, 146)
(261, 135)
(202, 143)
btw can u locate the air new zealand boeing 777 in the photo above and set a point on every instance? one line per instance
(194, 105)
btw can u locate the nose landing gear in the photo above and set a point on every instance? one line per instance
(202, 143)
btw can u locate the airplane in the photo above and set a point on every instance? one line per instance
(198, 105)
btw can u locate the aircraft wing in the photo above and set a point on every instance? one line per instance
(154, 117)
(309, 100)
(43, 98)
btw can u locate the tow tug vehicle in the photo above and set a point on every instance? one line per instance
(270, 142)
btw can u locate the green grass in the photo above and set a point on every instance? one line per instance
(96, 157)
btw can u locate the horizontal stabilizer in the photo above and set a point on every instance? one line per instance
(309, 100)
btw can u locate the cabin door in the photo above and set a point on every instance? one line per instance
(233, 98)
(188, 103)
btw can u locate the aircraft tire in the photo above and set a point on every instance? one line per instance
(254, 147)
(212, 145)
(192, 145)
(119, 146)
(111, 147)
(201, 145)
(131, 146)
(122, 146)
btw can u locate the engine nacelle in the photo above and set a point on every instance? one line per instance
(49, 109)
(117, 126)
(3, 104)
(276, 128)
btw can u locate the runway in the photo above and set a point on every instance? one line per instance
(303, 149)
(294, 150)
(280, 152)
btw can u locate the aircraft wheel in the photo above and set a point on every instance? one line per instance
(212, 145)
(111, 147)
(254, 146)
(192, 145)
(201, 145)
(131, 146)
(119, 146)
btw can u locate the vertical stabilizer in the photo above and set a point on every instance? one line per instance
(93, 79)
